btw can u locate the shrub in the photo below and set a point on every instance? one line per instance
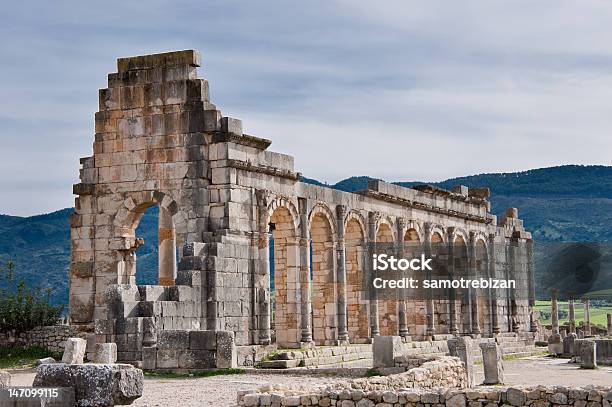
(23, 308)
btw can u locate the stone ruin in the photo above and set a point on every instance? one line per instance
(223, 196)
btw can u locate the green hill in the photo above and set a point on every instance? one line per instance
(567, 203)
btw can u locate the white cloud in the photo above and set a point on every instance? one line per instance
(406, 90)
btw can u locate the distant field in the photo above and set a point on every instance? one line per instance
(597, 315)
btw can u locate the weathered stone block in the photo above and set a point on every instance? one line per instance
(74, 351)
(173, 340)
(93, 384)
(226, 354)
(5, 379)
(202, 340)
(384, 350)
(105, 353)
(493, 363)
(588, 351)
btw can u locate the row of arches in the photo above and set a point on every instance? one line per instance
(331, 240)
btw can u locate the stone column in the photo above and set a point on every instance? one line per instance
(492, 363)
(555, 346)
(304, 243)
(609, 324)
(492, 271)
(263, 248)
(532, 296)
(343, 336)
(474, 294)
(572, 317)
(167, 248)
(452, 300)
(373, 218)
(403, 318)
(430, 331)
(587, 318)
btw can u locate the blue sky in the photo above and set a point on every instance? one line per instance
(399, 90)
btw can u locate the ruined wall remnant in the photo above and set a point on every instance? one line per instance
(224, 199)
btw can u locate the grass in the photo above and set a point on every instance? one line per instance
(194, 374)
(16, 357)
(598, 316)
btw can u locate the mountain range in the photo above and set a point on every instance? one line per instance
(565, 203)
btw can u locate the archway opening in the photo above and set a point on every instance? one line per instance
(157, 253)
(387, 308)
(357, 306)
(323, 282)
(416, 310)
(284, 278)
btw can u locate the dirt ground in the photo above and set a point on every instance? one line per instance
(221, 390)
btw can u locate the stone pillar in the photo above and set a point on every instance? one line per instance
(384, 350)
(452, 300)
(492, 270)
(587, 318)
(588, 354)
(531, 283)
(430, 331)
(474, 294)
(462, 348)
(263, 248)
(373, 218)
(568, 345)
(167, 248)
(343, 336)
(305, 283)
(492, 363)
(402, 316)
(609, 324)
(555, 346)
(572, 316)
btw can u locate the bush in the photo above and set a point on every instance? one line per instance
(23, 308)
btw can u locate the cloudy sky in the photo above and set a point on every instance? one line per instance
(399, 90)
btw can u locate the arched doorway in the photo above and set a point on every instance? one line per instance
(357, 305)
(387, 308)
(324, 298)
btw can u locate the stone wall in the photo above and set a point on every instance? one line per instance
(179, 349)
(540, 396)
(51, 338)
(447, 372)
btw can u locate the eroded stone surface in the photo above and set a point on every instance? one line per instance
(94, 384)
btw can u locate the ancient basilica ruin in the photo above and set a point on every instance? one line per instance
(223, 197)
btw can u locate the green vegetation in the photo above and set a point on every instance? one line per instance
(15, 357)
(597, 314)
(194, 374)
(23, 308)
(372, 372)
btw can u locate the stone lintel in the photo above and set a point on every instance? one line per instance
(162, 60)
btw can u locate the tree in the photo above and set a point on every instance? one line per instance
(23, 308)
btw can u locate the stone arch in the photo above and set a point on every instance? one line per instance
(461, 264)
(357, 306)
(285, 283)
(481, 264)
(324, 290)
(171, 230)
(357, 217)
(385, 231)
(436, 235)
(415, 309)
(322, 209)
(280, 201)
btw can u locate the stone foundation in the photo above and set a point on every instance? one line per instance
(539, 396)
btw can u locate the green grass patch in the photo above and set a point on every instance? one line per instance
(372, 372)
(597, 315)
(192, 375)
(17, 357)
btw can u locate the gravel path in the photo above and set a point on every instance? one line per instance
(221, 390)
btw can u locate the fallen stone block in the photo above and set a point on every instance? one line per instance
(74, 351)
(384, 350)
(94, 384)
(45, 361)
(105, 353)
(588, 351)
(5, 379)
